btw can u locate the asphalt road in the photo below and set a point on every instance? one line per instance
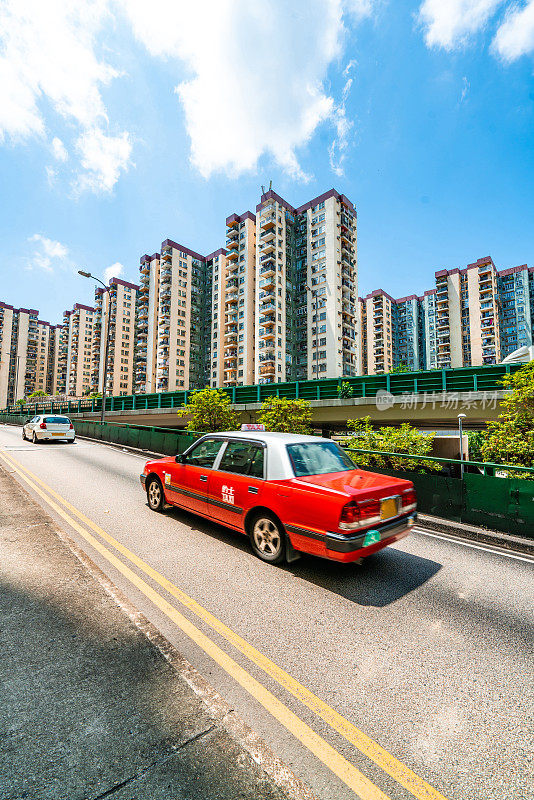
(426, 647)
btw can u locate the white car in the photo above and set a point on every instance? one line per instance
(46, 427)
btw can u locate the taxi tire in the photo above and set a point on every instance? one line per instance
(280, 554)
(161, 503)
(35, 440)
(23, 435)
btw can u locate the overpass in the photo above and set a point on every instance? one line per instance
(428, 399)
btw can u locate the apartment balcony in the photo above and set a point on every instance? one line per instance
(267, 235)
(267, 223)
(268, 269)
(267, 308)
(266, 297)
(232, 231)
(166, 256)
(232, 266)
(267, 283)
(144, 269)
(267, 335)
(232, 244)
(267, 371)
(267, 249)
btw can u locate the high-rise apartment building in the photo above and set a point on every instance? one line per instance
(306, 282)
(236, 366)
(467, 315)
(122, 301)
(19, 340)
(276, 304)
(74, 364)
(376, 319)
(427, 332)
(516, 293)
(408, 345)
(147, 323)
(474, 316)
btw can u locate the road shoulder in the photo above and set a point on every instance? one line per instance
(98, 701)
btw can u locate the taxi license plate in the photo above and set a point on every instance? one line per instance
(388, 508)
(58, 434)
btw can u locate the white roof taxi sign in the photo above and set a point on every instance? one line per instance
(252, 426)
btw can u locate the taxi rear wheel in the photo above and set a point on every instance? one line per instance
(155, 496)
(267, 538)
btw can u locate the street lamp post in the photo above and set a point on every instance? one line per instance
(106, 344)
(315, 296)
(461, 417)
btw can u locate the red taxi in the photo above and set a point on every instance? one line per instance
(287, 493)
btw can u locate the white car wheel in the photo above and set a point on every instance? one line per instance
(267, 538)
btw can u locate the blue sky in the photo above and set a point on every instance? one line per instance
(123, 123)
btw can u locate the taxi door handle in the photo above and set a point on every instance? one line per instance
(253, 489)
(204, 478)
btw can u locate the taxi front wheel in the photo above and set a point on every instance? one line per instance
(267, 538)
(155, 496)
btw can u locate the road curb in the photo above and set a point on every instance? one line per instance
(215, 705)
(461, 531)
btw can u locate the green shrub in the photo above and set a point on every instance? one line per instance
(404, 439)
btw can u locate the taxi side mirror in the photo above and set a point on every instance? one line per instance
(179, 458)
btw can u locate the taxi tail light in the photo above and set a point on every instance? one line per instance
(43, 426)
(359, 513)
(409, 499)
(71, 426)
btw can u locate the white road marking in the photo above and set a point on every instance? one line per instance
(454, 540)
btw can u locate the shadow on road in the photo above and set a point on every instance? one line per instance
(380, 580)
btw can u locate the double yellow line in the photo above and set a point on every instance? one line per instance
(338, 765)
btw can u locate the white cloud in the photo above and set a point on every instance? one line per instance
(47, 254)
(102, 157)
(465, 89)
(51, 175)
(49, 60)
(256, 73)
(114, 271)
(59, 150)
(450, 23)
(337, 152)
(359, 8)
(515, 36)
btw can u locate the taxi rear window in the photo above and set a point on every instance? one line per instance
(318, 458)
(57, 420)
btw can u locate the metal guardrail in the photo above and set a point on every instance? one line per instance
(429, 382)
(485, 467)
(503, 504)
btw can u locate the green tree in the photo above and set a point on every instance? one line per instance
(210, 411)
(21, 401)
(38, 393)
(285, 415)
(345, 390)
(94, 395)
(476, 440)
(403, 439)
(400, 368)
(510, 440)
